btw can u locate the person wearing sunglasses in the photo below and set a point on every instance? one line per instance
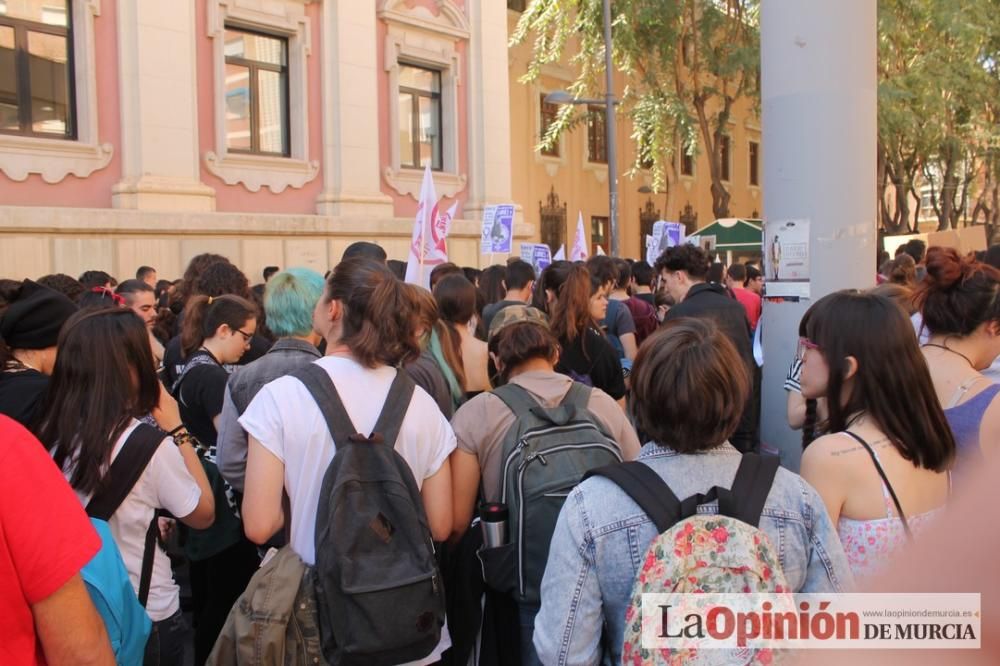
(882, 469)
(217, 332)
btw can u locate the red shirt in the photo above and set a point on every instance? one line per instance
(45, 538)
(751, 303)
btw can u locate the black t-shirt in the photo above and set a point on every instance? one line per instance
(200, 399)
(21, 395)
(591, 360)
(173, 361)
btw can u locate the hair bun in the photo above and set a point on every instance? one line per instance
(945, 267)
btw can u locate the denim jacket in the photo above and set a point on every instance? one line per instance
(285, 357)
(602, 535)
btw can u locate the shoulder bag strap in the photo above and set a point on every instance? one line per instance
(323, 391)
(646, 489)
(516, 398)
(745, 500)
(390, 420)
(885, 480)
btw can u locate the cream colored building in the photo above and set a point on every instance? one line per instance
(571, 178)
(276, 132)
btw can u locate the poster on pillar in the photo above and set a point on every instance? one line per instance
(498, 230)
(786, 259)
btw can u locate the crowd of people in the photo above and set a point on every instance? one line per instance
(193, 471)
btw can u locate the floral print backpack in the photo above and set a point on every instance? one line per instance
(700, 553)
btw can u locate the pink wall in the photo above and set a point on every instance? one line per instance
(95, 190)
(237, 198)
(406, 206)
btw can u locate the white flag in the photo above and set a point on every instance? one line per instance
(600, 251)
(418, 270)
(560, 254)
(579, 251)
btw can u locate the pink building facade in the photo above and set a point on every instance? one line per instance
(275, 132)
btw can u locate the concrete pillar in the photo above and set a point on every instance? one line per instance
(819, 132)
(350, 112)
(489, 109)
(159, 108)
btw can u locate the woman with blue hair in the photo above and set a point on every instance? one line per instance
(289, 302)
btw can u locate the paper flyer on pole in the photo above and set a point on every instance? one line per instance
(539, 255)
(498, 230)
(786, 259)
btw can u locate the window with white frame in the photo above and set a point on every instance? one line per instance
(256, 93)
(419, 103)
(423, 64)
(36, 69)
(261, 52)
(48, 90)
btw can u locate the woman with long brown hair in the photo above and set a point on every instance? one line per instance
(456, 299)
(882, 470)
(576, 301)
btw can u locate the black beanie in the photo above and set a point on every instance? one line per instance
(34, 317)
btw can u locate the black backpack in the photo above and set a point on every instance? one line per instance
(378, 590)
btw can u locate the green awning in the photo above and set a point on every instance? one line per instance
(734, 233)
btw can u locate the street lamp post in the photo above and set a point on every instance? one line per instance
(609, 101)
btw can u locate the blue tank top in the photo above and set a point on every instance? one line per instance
(965, 420)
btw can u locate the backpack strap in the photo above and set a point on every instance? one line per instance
(516, 398)
(578, 395)
(646, 489)
(745, 501)
(325, 394)
(125, 471)
(390, 420)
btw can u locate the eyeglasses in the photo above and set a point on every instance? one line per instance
(247, 337)
(805, 344)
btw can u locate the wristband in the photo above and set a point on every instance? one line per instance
(177, 430)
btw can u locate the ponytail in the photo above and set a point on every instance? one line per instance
(571, 311)
(378, 320)
(203, 316)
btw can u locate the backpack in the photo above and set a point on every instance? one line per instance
(546, 453)
(379, 594)
(644, 316)
(105, 576)
(700, 553)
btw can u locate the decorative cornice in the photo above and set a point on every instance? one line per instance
(256, 171)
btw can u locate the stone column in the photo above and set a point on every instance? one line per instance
(819, 134)
(488, 109)
(350, 112)
(159, 108)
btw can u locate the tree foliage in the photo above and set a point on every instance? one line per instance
(686, 64)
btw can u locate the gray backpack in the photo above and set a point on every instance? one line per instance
(546, 453)
(378, 590)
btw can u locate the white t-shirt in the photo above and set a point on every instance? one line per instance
(164, 484)
(285, 419)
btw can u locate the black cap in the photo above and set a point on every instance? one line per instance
(34, 317)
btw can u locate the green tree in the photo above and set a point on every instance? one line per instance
(686, 64)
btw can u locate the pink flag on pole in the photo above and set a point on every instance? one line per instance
(579, 251)
(419, 263)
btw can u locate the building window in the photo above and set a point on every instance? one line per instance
(597, 147)
(419, 117)
(598, 234)
(36, 70)
(256, 93)
(754, 164)
(517, 5)
(687, 162)
(725, 157)
(549, 112)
